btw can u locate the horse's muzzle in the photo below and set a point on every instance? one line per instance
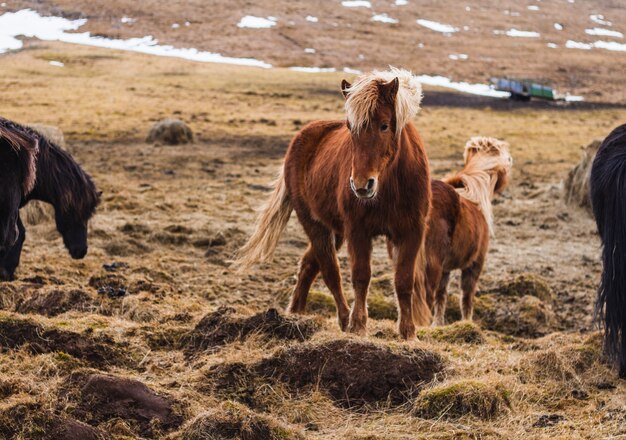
(366, 192)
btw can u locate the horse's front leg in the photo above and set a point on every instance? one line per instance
(10, 259)
(360, 251)
(408, 248)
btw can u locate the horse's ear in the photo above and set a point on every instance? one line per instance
(390, 90)
(345, 86)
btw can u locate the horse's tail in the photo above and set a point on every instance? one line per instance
(26, 146)
(607, 190)
(268, 228)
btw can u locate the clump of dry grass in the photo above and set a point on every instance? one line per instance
(527, 284)
(482, 399)
(460, 332)
(235, 421)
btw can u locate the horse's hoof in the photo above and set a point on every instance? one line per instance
(357, 329)
(407, 331)
(343, 323)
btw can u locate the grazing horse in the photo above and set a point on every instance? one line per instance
(18, 157)
(61, 182)
(356, 179)
(607, 190)
(461, 222)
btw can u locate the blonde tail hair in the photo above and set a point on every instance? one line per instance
(268, 227)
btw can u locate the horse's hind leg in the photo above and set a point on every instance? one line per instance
(10, 259)
(309, 269)
(469, 280)
(323, 247)
(441, 299)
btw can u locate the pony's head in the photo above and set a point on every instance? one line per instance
(72, 221)
(492, 156)
(378, 106)
(18, 158)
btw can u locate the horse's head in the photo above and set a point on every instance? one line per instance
(73, 224)
(378, 106)
(491, 155)
(373, 134)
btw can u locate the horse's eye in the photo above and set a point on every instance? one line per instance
(384, 127)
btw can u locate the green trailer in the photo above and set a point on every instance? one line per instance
(524, 89)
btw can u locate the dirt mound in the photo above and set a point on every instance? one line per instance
(224, 326)
(234, 421)
(352, 372)
(99, 352)
(55, 302)
(452, 401)
(51, 133)
(527, 316)
(99, 398)
(576, 186)
(170, 132)
(30, 421)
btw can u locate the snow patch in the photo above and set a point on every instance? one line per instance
(30, 24)
(309, 50)
(474, 89)
(516, 33)
(401, 2)
(127, 20)
(384, 18)
(356, 4)
(607, 45)
(533, 8)
(599, 18)
(558, 26)
(552, 45)
(250, 21)
(437, 27)
(325, 70)
(458, 56)
(604, 32)
(311, 19)
(56, 63)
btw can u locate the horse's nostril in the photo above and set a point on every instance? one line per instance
(370, 184)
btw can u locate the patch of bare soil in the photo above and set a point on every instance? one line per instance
(352, 372)
(97, 399)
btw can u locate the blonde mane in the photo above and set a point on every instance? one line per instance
(362, 97)
(484, 158)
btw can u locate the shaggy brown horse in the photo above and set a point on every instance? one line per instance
(61, 182)
(18, 156)
(355, 180)
(461, 222)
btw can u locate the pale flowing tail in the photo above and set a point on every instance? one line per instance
(268, 228)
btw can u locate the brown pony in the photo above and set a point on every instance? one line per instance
(461, 222)
(355, 180)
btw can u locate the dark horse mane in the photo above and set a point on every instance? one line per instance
(15, 139)
(59, 179)
(607, 191)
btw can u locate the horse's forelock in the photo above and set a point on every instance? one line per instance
(363, 97)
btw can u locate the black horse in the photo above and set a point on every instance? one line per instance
(608, 198)
(18, 157)
(61, 182)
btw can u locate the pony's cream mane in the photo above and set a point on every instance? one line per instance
(484, 157)
(363, 97)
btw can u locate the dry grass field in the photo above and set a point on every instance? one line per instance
(193, 349)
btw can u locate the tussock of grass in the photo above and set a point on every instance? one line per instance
(235, 421)
(484, 400)
(527, 284)
(460, 332)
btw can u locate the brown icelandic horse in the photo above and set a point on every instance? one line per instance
(61, 182)
(461, 222)
(18, 158)
(355, 180)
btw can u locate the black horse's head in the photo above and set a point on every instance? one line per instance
(73, 221)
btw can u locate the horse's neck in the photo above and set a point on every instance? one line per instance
(51, 178)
